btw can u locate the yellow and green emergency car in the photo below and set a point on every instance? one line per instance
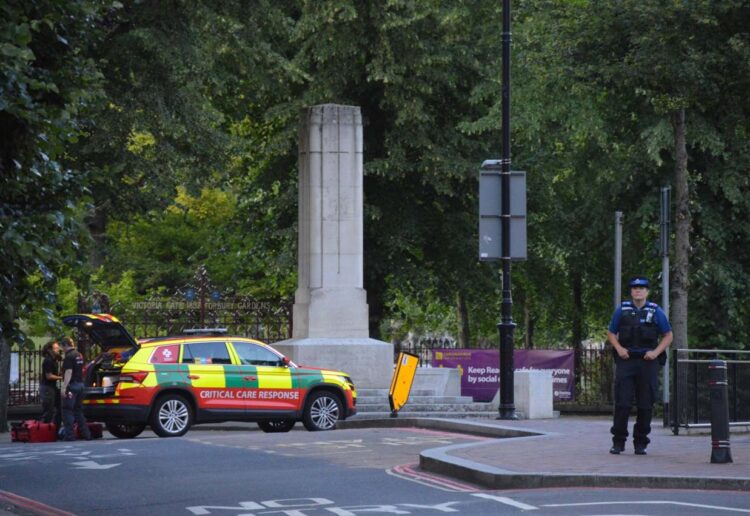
(170, 383)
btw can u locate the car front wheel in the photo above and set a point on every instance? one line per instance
(322, 410)
(172, 416)
(125, 430)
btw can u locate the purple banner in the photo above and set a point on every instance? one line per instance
(480, 369)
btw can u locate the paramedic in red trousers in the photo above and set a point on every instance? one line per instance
(49, 392)
(639, 333)
(72, 392)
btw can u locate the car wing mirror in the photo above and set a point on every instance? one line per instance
(285, 361)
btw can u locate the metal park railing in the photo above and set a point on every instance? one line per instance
(690, 397)
(26, 365)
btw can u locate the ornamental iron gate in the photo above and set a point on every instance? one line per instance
(199, 304)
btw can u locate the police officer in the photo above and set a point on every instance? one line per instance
(634, 333)
(72, 392)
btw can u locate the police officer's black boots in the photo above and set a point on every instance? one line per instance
(641, 430)
(619, 430)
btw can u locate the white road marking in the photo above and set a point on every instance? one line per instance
(90, 464)
(120, 452)
(65, 452)
(241, 506)
(442, 507)
(650, 502)
(288, 506)
(507, 501)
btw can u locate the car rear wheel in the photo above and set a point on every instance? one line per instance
(276, 426)
(125, 430)
(172, 416)
(322, 410)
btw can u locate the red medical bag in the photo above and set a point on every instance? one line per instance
(32, 431)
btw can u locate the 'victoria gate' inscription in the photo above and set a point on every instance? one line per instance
(240, 304)
(203, 304)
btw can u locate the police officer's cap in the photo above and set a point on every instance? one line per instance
(638, 281)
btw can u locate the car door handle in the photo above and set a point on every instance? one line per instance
(193, 377)
(251, 378)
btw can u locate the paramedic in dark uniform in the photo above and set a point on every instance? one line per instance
(639, 333)
(49, 392)
(72, 392)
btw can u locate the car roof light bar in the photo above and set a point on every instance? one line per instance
(204, 331)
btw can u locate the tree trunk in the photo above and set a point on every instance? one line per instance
(679, 304)
(680, 284)
(463, 320)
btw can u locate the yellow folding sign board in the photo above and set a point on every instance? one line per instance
(403, 377)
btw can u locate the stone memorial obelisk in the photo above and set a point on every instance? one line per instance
(330, 314)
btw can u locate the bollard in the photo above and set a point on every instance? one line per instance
(717, 382)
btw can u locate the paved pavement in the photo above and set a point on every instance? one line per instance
(574, 451)
(561, 452)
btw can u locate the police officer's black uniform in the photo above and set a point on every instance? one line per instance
(638, 331)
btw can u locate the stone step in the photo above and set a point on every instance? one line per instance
(373, 404)
(383, 393)
(432, 407)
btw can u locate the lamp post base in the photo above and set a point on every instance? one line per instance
(508, 413)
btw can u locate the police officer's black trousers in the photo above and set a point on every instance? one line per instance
(640, 378)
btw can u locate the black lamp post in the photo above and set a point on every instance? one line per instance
(507, 409)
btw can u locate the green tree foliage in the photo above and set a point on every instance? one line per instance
(411, 68)
(159, 127)
(595, 86)
(203, 99)
(161, 250)
(401, 62)
(47, 85)
(187, 86)
(689, 58)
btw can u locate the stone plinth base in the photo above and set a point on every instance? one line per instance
(369, 362)
(442, 381)
(532, 393)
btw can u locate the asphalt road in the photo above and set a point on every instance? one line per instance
(344, 472)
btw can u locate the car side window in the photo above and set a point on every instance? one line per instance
(253, 354)
(165, 354)
(205, 353)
